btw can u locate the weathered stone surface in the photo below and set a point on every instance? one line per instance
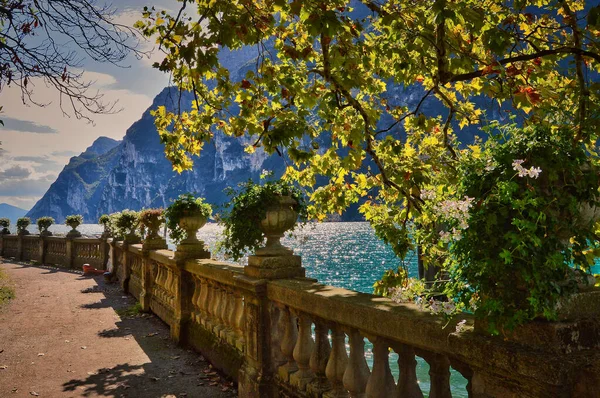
(274, 267)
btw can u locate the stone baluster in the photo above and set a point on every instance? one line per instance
(381, 382)
(173, 288)
(161, 280)
(231, 334)
(202, 301)
(337, 363)
(239, 320)
(166, 284)
(225, 307)
(158, 282)
(439, 375)
(408, 386)
(302, 353)
(356, 375)
(210, 298)
(216, 309)
(318, 360)
(196, 309)
(288, 343)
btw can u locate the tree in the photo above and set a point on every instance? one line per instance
(337, 72)
(48, 40)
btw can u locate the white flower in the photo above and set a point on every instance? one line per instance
(534, 172)
(445, 236)
(460, 326)
(428, 194)
(420, 302)
(448, 307)
(435, 306)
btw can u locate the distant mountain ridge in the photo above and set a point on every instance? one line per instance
(11, 212)
(134, 173)
(79, 183)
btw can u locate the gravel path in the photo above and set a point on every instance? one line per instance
(61, 336)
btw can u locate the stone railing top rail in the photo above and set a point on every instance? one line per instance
(53, 237)
(374, 316)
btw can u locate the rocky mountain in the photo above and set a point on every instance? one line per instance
(134, 173)
(11, 212)
(80, 184)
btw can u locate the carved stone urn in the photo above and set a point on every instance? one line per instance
(280, 218)
(275, 261)
(73, 233)
(153, 240)
(191, 246)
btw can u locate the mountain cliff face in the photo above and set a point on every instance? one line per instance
(78, 186)
(134, 173)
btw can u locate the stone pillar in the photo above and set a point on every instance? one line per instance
(70, 252)
(1, 244)
(181, 313)
(20, 247)
(147, 282)
(256, 375)
(189, 249)
(104, 248)
(42, 249)
(124, 272)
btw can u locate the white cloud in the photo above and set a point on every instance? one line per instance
(44, 155)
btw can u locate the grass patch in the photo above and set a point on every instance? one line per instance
(7, 293)
(134, 310)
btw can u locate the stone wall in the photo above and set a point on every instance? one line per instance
(280, 334)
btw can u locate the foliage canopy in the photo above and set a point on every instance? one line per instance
(373, 95)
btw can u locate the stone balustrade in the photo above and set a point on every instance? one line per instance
(295, 337)
(54, 250)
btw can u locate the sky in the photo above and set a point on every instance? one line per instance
(38, 142)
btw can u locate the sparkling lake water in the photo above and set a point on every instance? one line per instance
(344, 255)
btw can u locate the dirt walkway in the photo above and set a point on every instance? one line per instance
(61, 336)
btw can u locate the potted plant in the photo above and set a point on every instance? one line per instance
(126, 223)
(73, 221)
(4, 223)
(22, 224)
(185, 216)
(43, 224)
(104, 220)
(258, 211)
(515, 231)
(152, 219)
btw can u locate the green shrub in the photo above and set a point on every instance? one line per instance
(512, 260)
(125, 223)
(74, 220)
(44, 223)
(185, 204)
(4, 223)
(23, 223)
(104, 220)
(248, 207)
